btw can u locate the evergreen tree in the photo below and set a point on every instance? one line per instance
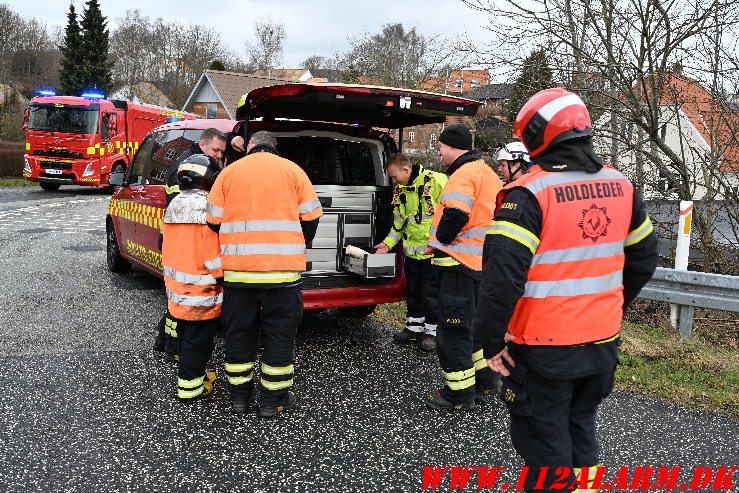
(96, 69)
(536, 75)
(70, 72)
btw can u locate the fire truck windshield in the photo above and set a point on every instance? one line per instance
(64, 118)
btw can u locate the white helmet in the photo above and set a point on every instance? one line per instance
(515, 151)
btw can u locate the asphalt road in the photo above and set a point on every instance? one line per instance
(86, 406)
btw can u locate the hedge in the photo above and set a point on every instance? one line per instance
(11, 158)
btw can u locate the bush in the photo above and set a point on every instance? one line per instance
(11, 158)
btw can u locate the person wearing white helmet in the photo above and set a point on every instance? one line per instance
(513, 161)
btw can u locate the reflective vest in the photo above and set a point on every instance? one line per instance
(191, 262)
(413, 210)
(259, 201)
(472, 188)
(574, 291)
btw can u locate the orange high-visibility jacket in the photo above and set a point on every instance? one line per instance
(574, 291)
(191, 262)
(472, 188)
(259, 201)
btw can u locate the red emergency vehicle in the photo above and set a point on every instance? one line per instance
(81, 140)
(336, 134)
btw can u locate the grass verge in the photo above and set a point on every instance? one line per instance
(700, 373)
(17, 183)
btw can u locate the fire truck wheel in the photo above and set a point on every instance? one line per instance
(49, 187)
(356, 311)
(116, 262)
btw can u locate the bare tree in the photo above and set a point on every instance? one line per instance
(266, 52)
(640, 65)
(400, 57)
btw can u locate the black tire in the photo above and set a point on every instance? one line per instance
(116, 262)
(356, 311)
(116, 168)
(49, 187)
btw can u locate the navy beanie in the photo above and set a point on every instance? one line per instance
(457, 136)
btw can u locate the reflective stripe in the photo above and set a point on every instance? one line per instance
(189, 394)
(398, 218)
(240, 380)
(477, 355)
(263, 249)
(444, 261)
(306, 207)
(571, 177)
(472, 233)
(188, 384)
(639, 233)
(578, 253)
(213, 210)
(478, 360)
(194, 300)
(459, 375)
(393, 236)
(419, 319)
(261, 277)
(414, 249)
(425, 217)
(237, 367)
(185, 278)
(213, 264)
(276, 385)
(248, 226)
(170, 327)
(573, 287)
(458, 196)
(458, 247)
(555, 106)
(277, 370)
(172, 189)
(515, 232)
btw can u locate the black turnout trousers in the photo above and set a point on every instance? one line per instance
(421, 289)
(273, 313)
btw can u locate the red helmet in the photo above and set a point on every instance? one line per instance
(549, 117)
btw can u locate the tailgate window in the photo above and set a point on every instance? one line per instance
(328, 161)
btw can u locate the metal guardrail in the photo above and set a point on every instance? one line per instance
(690, 290)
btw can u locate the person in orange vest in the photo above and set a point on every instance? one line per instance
(265, 210)
(456, 236)
(191, 265)
(212, 143)
(567, 252)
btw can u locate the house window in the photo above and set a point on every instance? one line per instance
(211, 110)
(458, 83)
(663, 131)
(474, 83)
(411, 136)
(432, 141)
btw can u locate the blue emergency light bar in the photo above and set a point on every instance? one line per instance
(171, 119)
(45, 92)
(93, 95)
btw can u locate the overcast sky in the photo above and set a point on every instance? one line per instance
(313, 27)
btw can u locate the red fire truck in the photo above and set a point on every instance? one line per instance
(81, 140)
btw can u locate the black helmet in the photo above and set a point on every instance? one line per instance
(197, 172)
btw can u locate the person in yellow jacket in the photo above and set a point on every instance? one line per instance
(457, 236)
(265, 210)
(415, 198)
(191, 265)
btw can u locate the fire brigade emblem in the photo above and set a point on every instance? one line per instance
(594, 223)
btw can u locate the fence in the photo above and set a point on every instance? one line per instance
(690, 290)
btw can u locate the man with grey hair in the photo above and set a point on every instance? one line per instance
(265, 210)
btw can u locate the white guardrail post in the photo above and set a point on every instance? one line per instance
(681, 316)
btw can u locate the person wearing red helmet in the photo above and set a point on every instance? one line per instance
(569, 249)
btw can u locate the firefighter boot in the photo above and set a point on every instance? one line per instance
(412, 333)
(437, 401)
(271, 412)
(241, 402)
(488, 386)
(160, 338)
(428, 343)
